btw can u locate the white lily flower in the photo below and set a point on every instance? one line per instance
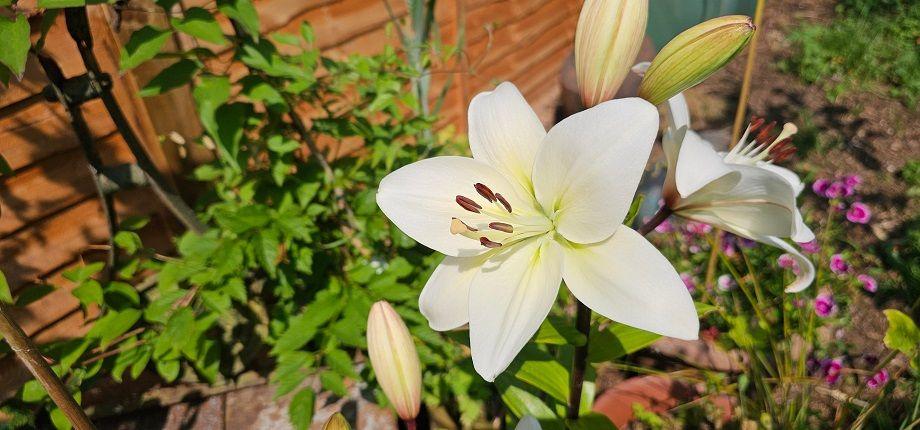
(740, 191)
(530, 209)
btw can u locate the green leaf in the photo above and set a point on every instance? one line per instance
(144, 44)
(158, 310)
(176, 75)
(15, 36)
(902, 334)
(634, 209)
(178, 331)
(82, 273)
(113, 324)
(58, 4)
(557, 331)
(243, 12)
(199, 23)
(300, 411)
(304, 326)
(617, 341)
(169, 369)
(120, 295)
(333, 382)
(522, 402)
(128, 241)
(542, 371)
(59, 419)
(703, 309)
(6, 296)
(32, 392)
(265, 244)
(89, 293)
(591, 421)
(341, 362)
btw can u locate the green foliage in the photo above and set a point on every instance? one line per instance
(5, 295)
(902, 334)
(870, 45)
(144, 44)
(14, 32)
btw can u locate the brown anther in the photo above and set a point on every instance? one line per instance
(484, 191)
(782, 150)
(756, 122)
(764, 134)
(501, 199)
(501, 226)
(457, 226)
(488, 243)
(468, 204)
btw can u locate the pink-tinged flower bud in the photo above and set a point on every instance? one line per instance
(786, 261)
(394, 359)
(878, 380)
(838, 264)
(694, 55)
(607, 40)
(725, 283)
(859, 213)
(825, 305)
(869, 283)
(337, 422)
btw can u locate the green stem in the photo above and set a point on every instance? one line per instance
(579, 361)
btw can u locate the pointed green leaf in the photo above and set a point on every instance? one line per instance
(300, 411)
(902, 334)
(6, 296)
(15, 36)
(243, 12)
(199, 23)
(176, 75)
(144, 44)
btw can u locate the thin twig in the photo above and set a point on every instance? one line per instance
(748, 72)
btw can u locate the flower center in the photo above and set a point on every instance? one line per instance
(761, 147)
(493, 222)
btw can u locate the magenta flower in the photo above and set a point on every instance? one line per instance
(825, 305)
(859, 213)
(835, 190)
(664, 227)
(698, 228)
(869, 283)
(820, 187)
(838, 264)
(810, 247)
(688, 281)
(878, 380)
(786, 261)
(831, 369)
(850, 182)
(725, 283)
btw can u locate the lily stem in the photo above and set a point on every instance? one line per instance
(656, 220)
(580, 360)
(28, 353)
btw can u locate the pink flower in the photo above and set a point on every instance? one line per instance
(725, 283)
(835, 190)
(831, 369)
(825, 305)
(820, 187)
(878, 380)
(664, 227)
(786, 261)
(869, 283)
(850, 182)
(695, 249)
(698, 228)
(859, 213)
(838, 264)
(810, 247)
(688, 281)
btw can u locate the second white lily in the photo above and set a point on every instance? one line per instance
(740, 191)
(530, 209)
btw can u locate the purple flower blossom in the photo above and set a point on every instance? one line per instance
(836, 190)
(859, 213)
(810, 247)
(664, 227)
(698, 228)
(820, 187)
(786, 261)
(869, 283)
(850, 182)
(825, 305)
(878, 380)
(831, 369)
(695, 249)
(838, 265)
(688, 281)
(725, 283)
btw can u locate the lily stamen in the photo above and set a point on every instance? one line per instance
(488, 243)
(501, 199)
(468, 204)
(484, 191)
(502, 226)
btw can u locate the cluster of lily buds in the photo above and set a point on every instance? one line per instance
(694, 55)
(394, 359)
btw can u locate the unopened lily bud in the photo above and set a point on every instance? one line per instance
(694, 55)
(337, 422)
(607, 40)
(394, 359)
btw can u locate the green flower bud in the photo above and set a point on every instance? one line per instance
(395, 360)
(694, 55)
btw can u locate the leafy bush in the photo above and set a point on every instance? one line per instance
(870, 45)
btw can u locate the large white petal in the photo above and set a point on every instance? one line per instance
(446, 296)
(625, 278)
(787, 174)
(677, 112)
(509, 299)
(505, 132)
(801, 233)
(698, 165)
(589, 166)
(421, 200)
(761, 203)
(806, 273)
